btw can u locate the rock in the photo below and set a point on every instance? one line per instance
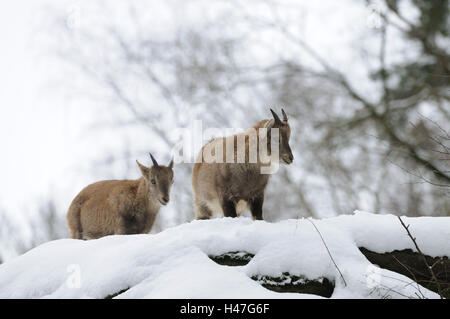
(297, 284)
(411, 265)
(235, 258)
(286, 283)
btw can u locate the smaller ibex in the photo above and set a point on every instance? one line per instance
(121, 206)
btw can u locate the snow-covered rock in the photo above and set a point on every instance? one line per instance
(175, 263)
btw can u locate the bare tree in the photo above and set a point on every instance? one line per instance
(19, 237)
(351, 147)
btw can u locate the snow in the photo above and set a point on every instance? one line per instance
(175, 262)
(383, 233)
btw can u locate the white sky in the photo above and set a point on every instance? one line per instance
(45, 147)
(35, 133)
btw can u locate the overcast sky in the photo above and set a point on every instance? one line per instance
(45, 145)
(35, 134)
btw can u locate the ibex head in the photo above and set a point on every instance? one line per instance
(159, 179)
(284, 135)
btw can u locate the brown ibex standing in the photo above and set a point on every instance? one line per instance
(228, 188)
(121, 206)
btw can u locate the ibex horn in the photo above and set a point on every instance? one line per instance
(155, 163)
(275, 116)
(285, 117)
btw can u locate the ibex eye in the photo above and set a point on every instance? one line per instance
(153, 181)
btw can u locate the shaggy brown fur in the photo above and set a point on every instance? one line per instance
(231, 188)
(121, 207)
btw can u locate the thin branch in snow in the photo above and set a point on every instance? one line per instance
(328, 250)
(430, 268)
(412, 274)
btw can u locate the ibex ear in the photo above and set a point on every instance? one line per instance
(270, 123)
(144, 170)
(171, 163)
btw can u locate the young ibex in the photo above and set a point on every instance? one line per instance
(230, 188)
(121, 206)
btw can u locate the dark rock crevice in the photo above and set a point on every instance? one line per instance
(411, 265)
(283, 284)
(234, 258)
(297, 284)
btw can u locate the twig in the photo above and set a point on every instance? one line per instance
(329, 253)
(433, 276)
(412, 274)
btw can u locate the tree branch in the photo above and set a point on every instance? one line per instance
(433, 275)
